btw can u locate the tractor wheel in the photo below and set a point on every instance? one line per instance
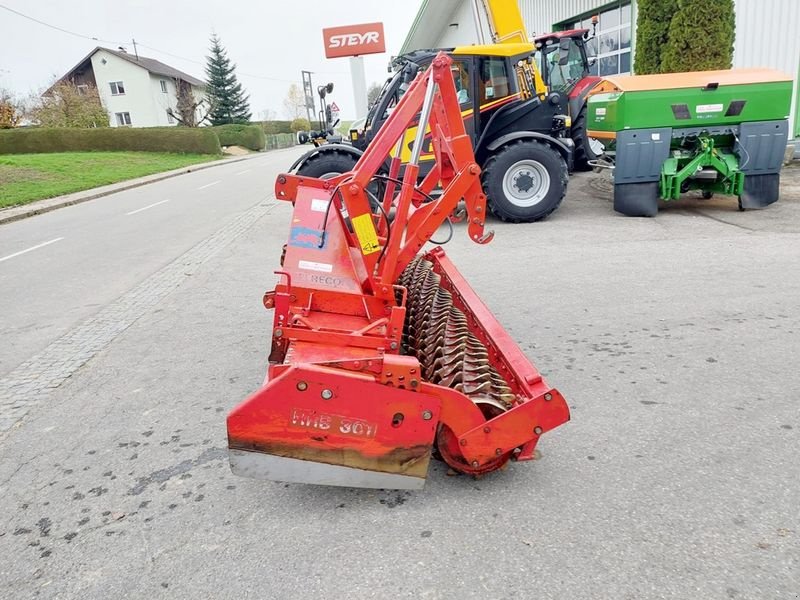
(324, 165)
(525, 181)
(583, 147)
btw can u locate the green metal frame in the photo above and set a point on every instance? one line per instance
(797, 105)
(686, 162)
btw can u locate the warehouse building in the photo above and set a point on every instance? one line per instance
(766, 32)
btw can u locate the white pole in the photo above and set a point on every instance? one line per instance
(359, 78)
(476, 16)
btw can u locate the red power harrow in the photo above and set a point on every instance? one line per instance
(380, 353)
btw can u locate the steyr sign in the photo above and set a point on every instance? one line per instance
(354, 40)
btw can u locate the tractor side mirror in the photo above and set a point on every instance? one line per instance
(410, 72)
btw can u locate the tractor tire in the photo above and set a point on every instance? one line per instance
(636, 199)
(524, 181)
(583, 149)
(324, 165)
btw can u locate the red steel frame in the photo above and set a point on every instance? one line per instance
(338, 391)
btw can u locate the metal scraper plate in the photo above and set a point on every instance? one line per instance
(294, 470)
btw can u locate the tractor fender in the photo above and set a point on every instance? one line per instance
(579, 94)
(346, 149)
(564, 146)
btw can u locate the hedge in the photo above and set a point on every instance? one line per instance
(201, 140)
(273, 127)
(249, 136)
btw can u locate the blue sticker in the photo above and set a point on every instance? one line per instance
(305, 237)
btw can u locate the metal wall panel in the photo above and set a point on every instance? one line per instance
(541, 15)
(767, 36)
(766, 31)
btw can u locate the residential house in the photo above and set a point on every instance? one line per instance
(135, 90)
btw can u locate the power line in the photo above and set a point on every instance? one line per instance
(117, 43)
(61, 29)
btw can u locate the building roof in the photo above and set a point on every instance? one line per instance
(154, 66)
(425, 29)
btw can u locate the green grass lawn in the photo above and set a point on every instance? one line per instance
(28, 177)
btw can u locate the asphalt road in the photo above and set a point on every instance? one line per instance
(675, 340)
(59, 268)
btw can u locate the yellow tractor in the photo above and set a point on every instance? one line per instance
(518, 128)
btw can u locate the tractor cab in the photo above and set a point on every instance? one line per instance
(487, 78)
(566, 67)
(563, 59)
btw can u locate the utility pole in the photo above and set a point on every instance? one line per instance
(135, 51)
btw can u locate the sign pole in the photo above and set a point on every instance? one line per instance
(355, 41)
(308, 93)
(359, 78)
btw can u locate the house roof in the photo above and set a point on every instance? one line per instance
(151, 64)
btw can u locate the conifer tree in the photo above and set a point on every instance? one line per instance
(229, 103)
(652, 32)
(701, 37)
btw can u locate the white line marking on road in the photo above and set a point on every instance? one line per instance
(243, 172)
(138, 210)
(202, 187)
(36, 247)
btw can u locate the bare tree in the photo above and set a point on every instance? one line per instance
(10, 110)
(267, 114)
(68, 105)
(189, 111)
(373, 93)
(294, 105)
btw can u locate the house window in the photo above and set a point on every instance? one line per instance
(163, 86)
(117, 89)
(170, 118)
(82, 89)
(611, 48)
(123, 119)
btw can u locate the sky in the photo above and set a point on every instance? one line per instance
(270, 41)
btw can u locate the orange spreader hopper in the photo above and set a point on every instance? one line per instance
(380, 353)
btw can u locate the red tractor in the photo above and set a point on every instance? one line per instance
(565, 65)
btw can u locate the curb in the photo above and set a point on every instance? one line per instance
(17, 213)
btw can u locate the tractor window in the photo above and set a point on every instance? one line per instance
(460, 72)
(493, 80)
(562, 77)
(394, 89)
